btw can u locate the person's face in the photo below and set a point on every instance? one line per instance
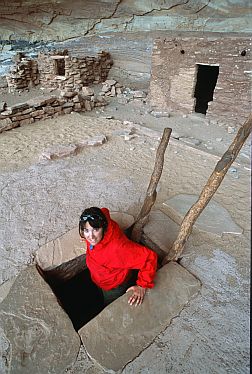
(92, 235)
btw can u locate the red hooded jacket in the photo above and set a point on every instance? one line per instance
(112, 258)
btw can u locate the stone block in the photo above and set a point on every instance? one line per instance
(87, 91)
(27, 121)
(37, 113)
(161, 230)
(92, 141)
(120, 332)
(63, 249)
(7, 112)
(36, 334)
(109, 82)
(87, 105)
(41, 100)
(20, 117)
(58, 151)
(6, 124)
(67, 110)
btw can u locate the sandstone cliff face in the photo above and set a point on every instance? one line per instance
(58, 20)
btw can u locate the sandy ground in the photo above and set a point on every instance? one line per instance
(41, 200)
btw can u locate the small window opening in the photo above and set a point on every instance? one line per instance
(60, 66)
(206, 80)
(243, 53)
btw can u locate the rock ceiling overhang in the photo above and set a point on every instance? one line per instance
(58, 20)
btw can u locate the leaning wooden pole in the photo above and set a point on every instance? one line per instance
(208, 191)
(150, 198)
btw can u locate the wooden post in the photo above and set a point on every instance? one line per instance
(135, 230)
(208, 191)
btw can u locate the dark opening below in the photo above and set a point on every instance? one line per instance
(71, 283)
(76, 293)
(207, 76)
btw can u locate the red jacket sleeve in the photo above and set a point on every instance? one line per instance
(131, 255)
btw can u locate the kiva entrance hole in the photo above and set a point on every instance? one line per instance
(76, 293)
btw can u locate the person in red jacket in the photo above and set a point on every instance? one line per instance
(111, 258)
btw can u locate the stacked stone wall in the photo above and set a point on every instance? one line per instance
(44, 107)
(79, 72)
(174, 75)
(23, 75)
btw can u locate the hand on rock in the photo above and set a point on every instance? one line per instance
(138, 295)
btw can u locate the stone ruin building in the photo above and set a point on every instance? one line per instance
(209, 75)
(188, 74)
(58, 70)
(55, 70)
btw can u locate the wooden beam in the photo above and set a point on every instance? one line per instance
(136, 229)
(208, 191)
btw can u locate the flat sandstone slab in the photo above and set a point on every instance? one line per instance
(214, 218)
(161, 230)
(36, 335)
(120, 332)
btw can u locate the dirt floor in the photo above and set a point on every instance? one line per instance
(194, 129)
(42, 199)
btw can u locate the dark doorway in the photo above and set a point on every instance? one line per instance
(207, 76)
(60, 66)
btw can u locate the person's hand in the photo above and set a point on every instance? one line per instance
(137, 296)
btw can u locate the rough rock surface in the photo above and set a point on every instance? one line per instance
(54, 21)
(36, 334)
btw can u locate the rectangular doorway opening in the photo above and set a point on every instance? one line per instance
(60, 66)
(206, 79)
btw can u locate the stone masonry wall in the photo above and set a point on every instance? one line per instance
(23, 75)
(43, 107)
(75, 72)
(174, 73)
(79, 72)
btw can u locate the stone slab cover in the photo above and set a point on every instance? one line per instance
(36, 335)
(120, 332)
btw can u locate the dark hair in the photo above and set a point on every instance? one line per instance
(95, 217)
